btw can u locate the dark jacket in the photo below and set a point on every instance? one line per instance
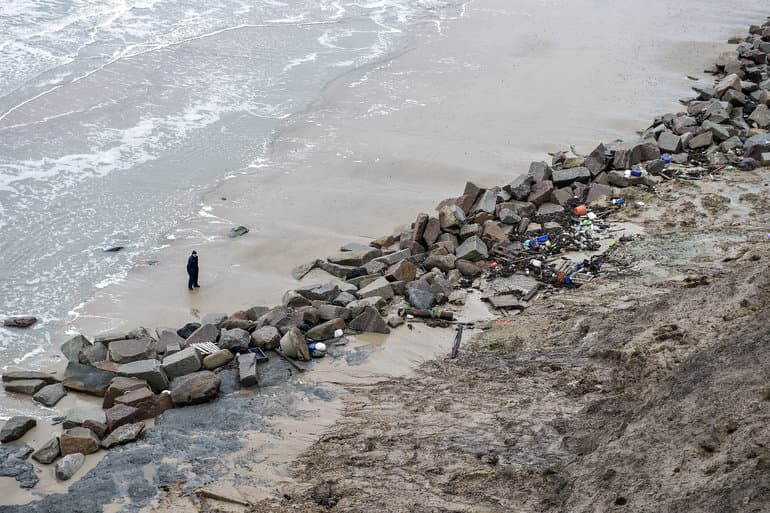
(192, 264)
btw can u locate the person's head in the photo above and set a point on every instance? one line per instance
(195, 253)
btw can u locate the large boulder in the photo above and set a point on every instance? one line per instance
(91, 354)
(326, 330)
(293, 345)
(184, 362)
(266, 337)
(329, 312)
(443, 262)
(487, 201)
(16, 374)
(562, 177)
(24, 321)
(355, 258)
(78, 416)
(49, 395)
(206, 333)
(472, 249)
(188, 329)
(219, 358)
(540, 193)
(132, 350)
(371, 321)
(48, 452)
(122, 435)
(292, 299)
(78, 440)
(67, 466)
(431, 233)
(756, 145)
(214, 319)
(168, 337)
(596, 162)
(195, 388)
(24, 386)
(380, 287)
(420, 295)
(72, 347)
(15, 427)
(236, 340)
(629, 153)
(119, 386)
(394, 257)
(450, 217)
(247, 369)
(86, 379)
(148, 370)
(519, 187)
(319, 292)
(402, 271)
(121, 414)
(539, 171)
(149, 405)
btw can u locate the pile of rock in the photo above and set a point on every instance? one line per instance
(727, 123)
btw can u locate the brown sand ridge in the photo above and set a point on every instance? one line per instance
(648, 390)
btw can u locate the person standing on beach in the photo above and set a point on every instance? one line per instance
(192, 271)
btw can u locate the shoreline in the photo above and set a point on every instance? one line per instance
(239, 258)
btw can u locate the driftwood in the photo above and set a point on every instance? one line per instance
(458, 339)
(427, 314)
(291, 362)
(211, 494)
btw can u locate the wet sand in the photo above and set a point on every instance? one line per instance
(494, 91)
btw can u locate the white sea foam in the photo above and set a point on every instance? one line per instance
(293, 63)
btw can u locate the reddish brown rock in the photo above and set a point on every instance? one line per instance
(120, 386)
(120, 414)
(78, 440)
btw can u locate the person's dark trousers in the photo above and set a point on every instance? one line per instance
(193, 281)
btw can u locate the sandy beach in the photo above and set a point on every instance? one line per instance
(496, 89)
(475, 98)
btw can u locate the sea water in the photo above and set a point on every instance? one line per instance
(116, 114)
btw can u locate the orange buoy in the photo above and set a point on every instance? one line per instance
(580, 210)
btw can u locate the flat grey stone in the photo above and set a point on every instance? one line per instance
(75, 417)
(148, 370)
(48, 453)
(123, 435)
(195, 388)
(17, 374)
(370, 321)
(236, 340)
(72, 347)
(206, 333)
(167, 337)
(395, 257)
(15, 427)
(561, 177)
(68, 466)
(49, 395)
(132, 350)
(86, 379)
(355, 258)
(24, 386)
(472, 249)
(380, 287)
(247, 369)
(319, 292)
(301, 270)
(184, 362)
